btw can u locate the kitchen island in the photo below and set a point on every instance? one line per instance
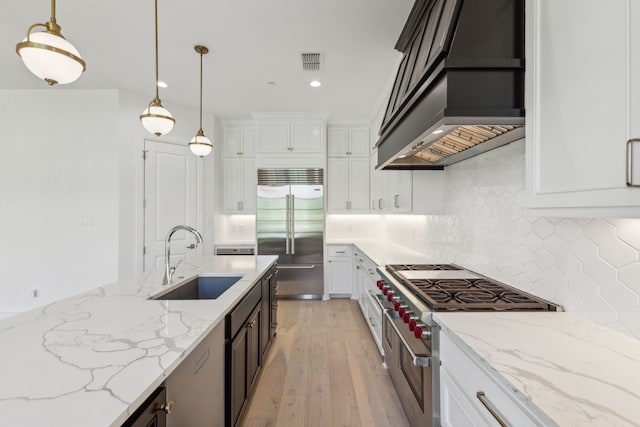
(94, 358)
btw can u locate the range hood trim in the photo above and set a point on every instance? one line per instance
(449, 124)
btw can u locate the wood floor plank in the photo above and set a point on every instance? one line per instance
(323, 369)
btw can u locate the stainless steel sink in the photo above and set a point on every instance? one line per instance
(205, 287)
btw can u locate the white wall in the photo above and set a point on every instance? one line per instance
(589, 265)
(73, 157)
(58, 194)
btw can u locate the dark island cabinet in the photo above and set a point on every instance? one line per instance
(249, 329)
(152, 412)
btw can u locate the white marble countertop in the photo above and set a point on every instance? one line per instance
(92, 359)
(562, 367)
(382, 252)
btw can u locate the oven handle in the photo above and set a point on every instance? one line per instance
(419, 360)
(375, 296)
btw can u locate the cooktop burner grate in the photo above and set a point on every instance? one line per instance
(415, 267)
(473, 294)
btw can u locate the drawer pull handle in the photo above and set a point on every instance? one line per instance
(339, 252)
(483, 399)
(630, 162)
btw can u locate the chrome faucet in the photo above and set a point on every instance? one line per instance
(168, 269)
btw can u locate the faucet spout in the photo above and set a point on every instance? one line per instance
(168, 269)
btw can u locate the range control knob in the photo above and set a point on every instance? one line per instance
(402, 311)
(385, 290)
(412, 324)
(392, 298)
(422, 331)
(398, 305)
(409, 316)
(380, 284)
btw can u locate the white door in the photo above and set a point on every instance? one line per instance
(170, 192)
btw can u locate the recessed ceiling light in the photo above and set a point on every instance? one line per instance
(435, 132)
(315, 83)
(272, 84)
(162, 84)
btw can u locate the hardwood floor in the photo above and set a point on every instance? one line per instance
(323, 369)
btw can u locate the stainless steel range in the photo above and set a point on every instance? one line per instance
(410, 294)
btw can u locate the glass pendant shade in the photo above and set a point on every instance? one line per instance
(200, 145)
(51, 57)
(157, 119)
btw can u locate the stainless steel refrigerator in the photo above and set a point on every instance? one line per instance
(290, 224)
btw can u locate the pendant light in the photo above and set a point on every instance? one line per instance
(48, 55)
(155, 118)
(200, 145)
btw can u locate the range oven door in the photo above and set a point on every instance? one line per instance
(409, 361)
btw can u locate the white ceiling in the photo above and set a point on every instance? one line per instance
(251, 42)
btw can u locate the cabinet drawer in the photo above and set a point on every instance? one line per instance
(335, 250)
(470, 380)
(239, 315)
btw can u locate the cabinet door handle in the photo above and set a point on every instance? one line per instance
(339, 252)
(379, 203)
(166, 407)
(396, 200)
(630, 162)
(483, 399)
(371, 322)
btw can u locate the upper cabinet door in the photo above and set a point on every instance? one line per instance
(274, 137)
(306, 137)
(338, 142)
(239, 140)
(582, 98)
(231, 141)
(359, 142)
(343, 141)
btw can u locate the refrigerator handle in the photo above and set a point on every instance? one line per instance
(286, 221)
(293, 223)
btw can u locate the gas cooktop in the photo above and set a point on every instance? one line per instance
(448, 287)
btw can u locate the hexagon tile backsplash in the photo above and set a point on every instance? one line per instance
(588, 265)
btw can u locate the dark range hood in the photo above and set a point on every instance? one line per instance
(459, 90)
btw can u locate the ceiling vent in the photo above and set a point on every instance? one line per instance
(310, 61)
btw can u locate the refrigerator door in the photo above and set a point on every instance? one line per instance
(273, 222)
(306, 224)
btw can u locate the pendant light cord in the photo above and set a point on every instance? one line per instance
(201, 91)
(53, 11)
(156, 22)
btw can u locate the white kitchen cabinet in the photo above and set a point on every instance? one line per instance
(583, 104)
(348, 184)
(239, 185)
(347, 141)
(238, 140)
(463, 388)
(365, 288)
(338, 271)
(296, 136)
(392, 191)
